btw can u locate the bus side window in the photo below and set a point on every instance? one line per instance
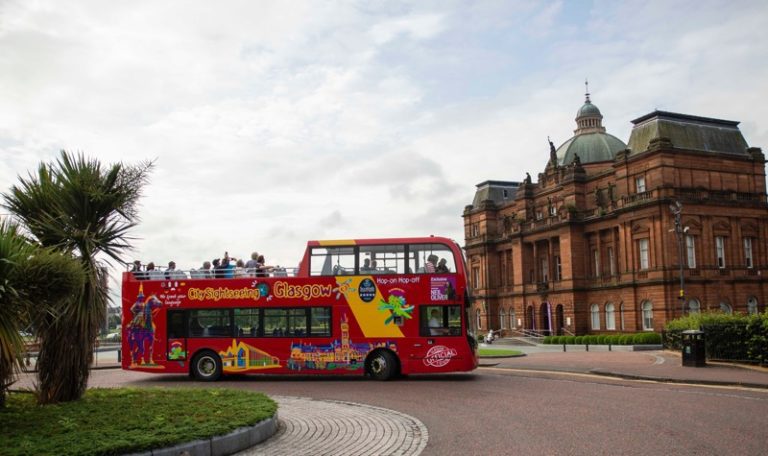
(177, 324)
(440, 321)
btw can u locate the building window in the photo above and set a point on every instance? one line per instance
(558, 268)
(694, 306)
(752, 306)
(748, 252)
(479, 319)
(596, 261)
(640, 184)
(512, 323)
(475, 230)
(726, 308)
(475, 277)
(502, 319)
(720, 251)
(539, 215)
(610, 317)
(621, 315)
(552, 210)
(690, 248)
(611, 261)
(647, 316)
(505, 193)
(595, 311)
(544, 270)
(642, 247)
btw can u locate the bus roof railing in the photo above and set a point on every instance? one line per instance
(179, 274)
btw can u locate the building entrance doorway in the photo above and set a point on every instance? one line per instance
(530, 317)
(545, 317)
(559, 320)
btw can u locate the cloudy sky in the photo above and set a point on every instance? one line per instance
(272, 123)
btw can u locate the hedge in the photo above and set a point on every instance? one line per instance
(605, 339)
(729, 337)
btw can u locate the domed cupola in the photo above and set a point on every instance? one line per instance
(590, 141)
(588, 118)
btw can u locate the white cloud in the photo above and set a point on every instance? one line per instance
(276, 123)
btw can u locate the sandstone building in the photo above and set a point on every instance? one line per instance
(592, 245)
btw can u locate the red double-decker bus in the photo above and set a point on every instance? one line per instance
(381, 307)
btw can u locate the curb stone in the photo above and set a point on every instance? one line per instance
(676, 380)
(237, 440)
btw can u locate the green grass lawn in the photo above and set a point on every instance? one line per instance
(119, 421)
(499, 352)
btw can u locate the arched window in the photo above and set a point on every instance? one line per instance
(694, 306)
(512, 322)
(725, 308)
(610, 317)
(479, 319)
(595, 311)
(621, 315)
(752, 305)
(502, 318)
(647, 316)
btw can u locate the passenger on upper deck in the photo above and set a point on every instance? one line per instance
(366, 267)
(442, 268)
(429, 266)
(173, 273)
(252, 265)
(152, 273)
(240, 269)
(263, 269)
(205, 270)
(228, 265)
(137, 272)
(218, 272)
(374, 267)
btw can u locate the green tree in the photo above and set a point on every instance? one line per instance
(85, 209)
(33, 281)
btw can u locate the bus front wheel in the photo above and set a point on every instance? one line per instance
(206, 366)
(382, 365)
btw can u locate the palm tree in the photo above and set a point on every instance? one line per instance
(86, 209)
(32, 279)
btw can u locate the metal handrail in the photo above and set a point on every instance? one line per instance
(179, 274)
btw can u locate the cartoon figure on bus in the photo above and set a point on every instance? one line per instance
(141, 330)
(396, 305)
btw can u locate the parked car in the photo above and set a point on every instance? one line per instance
(113, 337)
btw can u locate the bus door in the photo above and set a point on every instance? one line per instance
(439, 343)
(176, 346)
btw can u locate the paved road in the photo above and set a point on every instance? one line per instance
(505, 410)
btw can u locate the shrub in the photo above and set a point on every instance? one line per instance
(593, 339)
(570, 340)
(578, 340)
(547, 340)
(613, 339)
(625, 339)
(646, 338)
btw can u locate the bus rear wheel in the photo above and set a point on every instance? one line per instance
(382, 365)
(206, 366)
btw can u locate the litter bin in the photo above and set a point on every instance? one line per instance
(694, 353)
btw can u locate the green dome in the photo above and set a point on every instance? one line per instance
(588, 109)
(590, 147)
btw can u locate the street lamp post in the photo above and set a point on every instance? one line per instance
(677, 209)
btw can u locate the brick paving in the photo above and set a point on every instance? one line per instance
(323, 427)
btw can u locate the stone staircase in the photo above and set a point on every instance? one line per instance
(517, 341)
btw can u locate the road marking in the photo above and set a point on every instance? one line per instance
(624, 379)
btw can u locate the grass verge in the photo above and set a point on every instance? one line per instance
(119, 421)
(499, 352)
